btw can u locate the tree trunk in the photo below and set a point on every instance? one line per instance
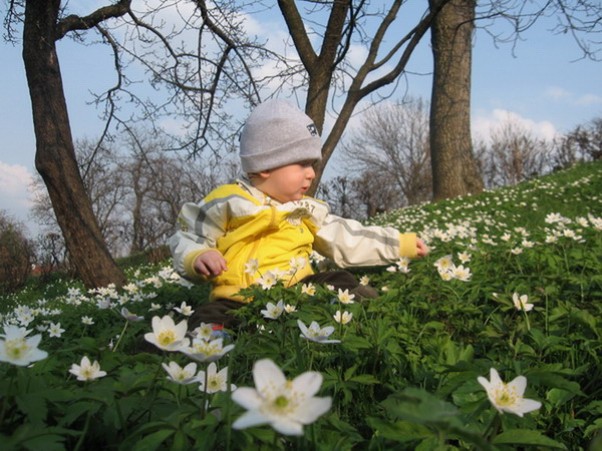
(55, 157)
(454, 168)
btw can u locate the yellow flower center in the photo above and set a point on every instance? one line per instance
(16, 348)
(505, 397)
(281, 402)
(166, 337)
(213, 383)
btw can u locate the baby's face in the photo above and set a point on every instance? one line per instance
(288, 183)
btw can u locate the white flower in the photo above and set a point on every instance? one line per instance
(297, 264)
(19, 350)
(444, 264)
(167, 335)
(54, 330)
(179, 375)
(273, 311)
(131, 288)
(403, 265)
(461, 273)
(251, 266)
(204, 331)
(24, 315)
(283, 404)
(527, 244)
(345, 297)
(521, 302)
(87, 320)
(508, 397)
(342, 317)
(447, 276)
(206, 350)
(316, 258)
(315, 333)
(184, 309)
(288, 308)
(130, 316)
(464, 257)
(364, 280)
(268, 280)
(308, 289)
(213, 380)
(154, 307)
(87, 371)
(103, 304)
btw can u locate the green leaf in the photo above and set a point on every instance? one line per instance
(366, 379)
(354, 343)
(153, 441)
(400, 431)
(33, 405)
(526, 437)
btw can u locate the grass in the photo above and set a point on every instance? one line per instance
(405, 373)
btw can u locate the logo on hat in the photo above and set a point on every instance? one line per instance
(313, 131)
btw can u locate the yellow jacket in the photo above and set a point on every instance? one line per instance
(244, 224)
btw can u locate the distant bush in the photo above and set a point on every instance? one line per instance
(16, 254)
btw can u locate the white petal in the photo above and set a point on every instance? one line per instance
(328, 330)
(190, 368)
(313, 408)
(494, 377)
(266, 374)
(308, 383)
(34, 341)
(302, 326)
(249, 418)
(181, 328)
(156, 323)
(286, 426)
(519, 384)
(528, 405)
(484, 382)
(247, 397)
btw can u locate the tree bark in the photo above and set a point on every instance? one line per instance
(454, 168)
(55, 157)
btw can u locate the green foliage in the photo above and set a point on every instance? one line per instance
(16, 254)
(404, 375)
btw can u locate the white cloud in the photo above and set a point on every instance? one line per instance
(560, 94)
(589, 99)
(483, 125)
(14, 189)
(557, 93)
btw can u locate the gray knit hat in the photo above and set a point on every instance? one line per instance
(277, 133)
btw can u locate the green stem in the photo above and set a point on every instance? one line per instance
(526, 319)
(494, 427)
(121, 336)
(228, 403)
(84, 432)
(204, 399)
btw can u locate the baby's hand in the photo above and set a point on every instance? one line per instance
(210, 263)
(422, 249)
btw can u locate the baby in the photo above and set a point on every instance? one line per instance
(265, 222)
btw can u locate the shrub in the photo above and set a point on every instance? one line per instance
(15, 254)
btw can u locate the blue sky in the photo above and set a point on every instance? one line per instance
(544, 86)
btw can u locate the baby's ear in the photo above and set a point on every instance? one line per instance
(264, 174)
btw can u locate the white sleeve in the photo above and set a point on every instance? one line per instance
(349, 243)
